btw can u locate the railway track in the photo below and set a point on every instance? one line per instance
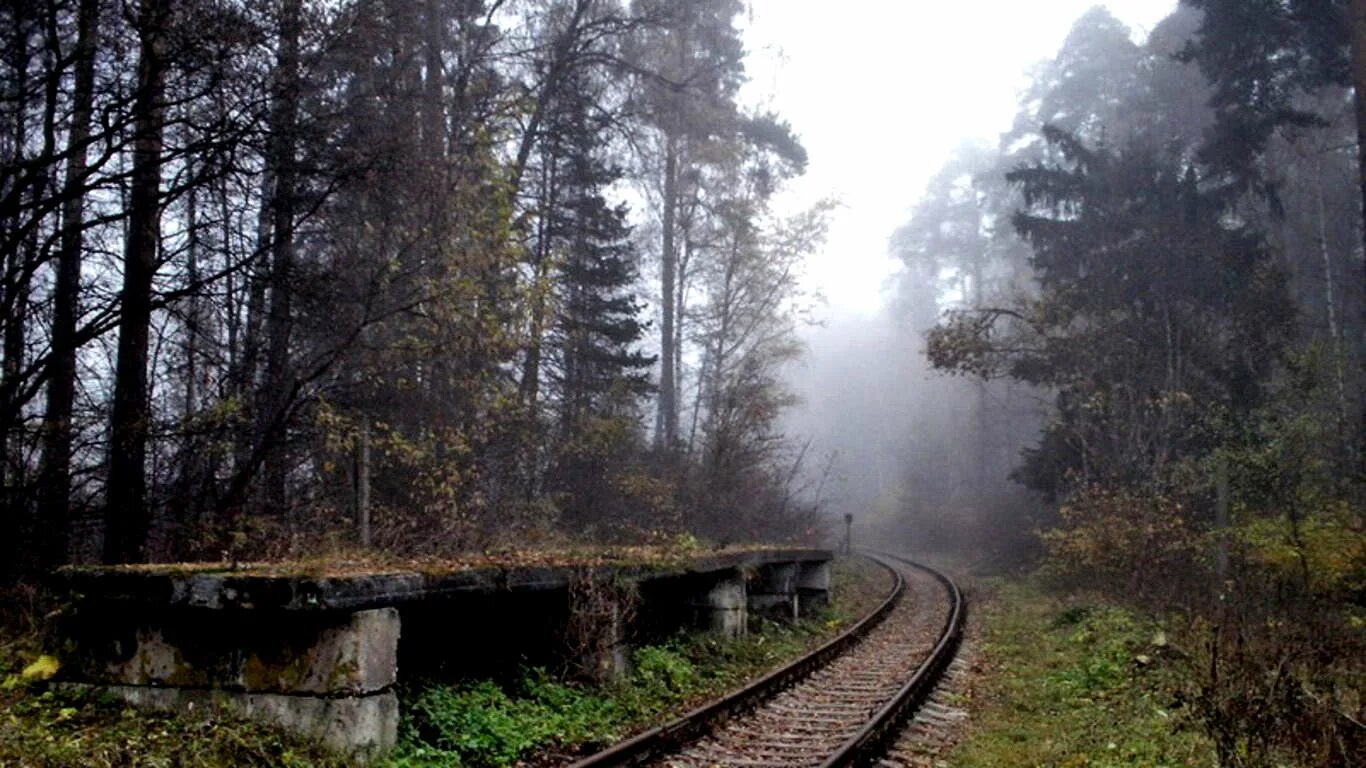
(841, 705)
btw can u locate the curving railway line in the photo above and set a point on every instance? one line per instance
(841, 705)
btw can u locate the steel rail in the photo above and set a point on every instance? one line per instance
(697, 722)
(866, 746)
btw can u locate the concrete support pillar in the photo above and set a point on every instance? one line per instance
(604, 652)
(773, 591)
(721, 606)
(813, 587)
(326, 675)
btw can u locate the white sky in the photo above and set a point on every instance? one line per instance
(882, 92)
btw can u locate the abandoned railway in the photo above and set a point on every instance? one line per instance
(844, 704)
(323, 653)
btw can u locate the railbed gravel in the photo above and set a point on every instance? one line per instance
(808, 722)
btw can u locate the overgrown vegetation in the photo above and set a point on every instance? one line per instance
(1073, 683)
(1167, 247)
(51, 730)
(1113, 685)
(481, 724)
(484, 725)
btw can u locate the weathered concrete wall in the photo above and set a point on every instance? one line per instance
(602, 647)
(721, 605)
(365, 726)
(773, 591)
(323, 653)
(328, 675)
(320, 654)
(813, 587)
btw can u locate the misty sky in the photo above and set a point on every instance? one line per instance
(882, 91)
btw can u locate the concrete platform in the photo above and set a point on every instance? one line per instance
(319, 651)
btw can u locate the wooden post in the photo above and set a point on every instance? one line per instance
(363, 482)
(1221, 521)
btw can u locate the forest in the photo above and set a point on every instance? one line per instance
(1149, 295)
(292, 280)
(282, 277)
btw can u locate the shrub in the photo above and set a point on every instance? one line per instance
(1127, 542)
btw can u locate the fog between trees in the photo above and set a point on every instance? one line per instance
(1128, 292)
(288, 277)
(1125, 350)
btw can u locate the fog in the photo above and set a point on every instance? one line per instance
(896, 443)
(875, 412)
(907, 446)
(621, 271)
(882, 93)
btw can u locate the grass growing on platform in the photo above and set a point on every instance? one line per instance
(666, 553)
(1073, 685)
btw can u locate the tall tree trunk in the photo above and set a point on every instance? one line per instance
(530, 388)
(981, 443)
(682, 262)
(192, 459)
(666, 431)
(557, 66)
(21, 264)
(14, 290)
(1358, 35)
(434, 87)
(127, 517)
(1331, 307)
(363, 482)
(194, 319)
(248, 359)
(55, 475)
(277, 387)
(13, 300)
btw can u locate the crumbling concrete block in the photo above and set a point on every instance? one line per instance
(721, 606)
(773, 591)
(364, 726)
(813, 587)
(328, 675)
(318, 652)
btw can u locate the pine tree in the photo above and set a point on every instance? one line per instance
(598, 372)
(1155, 315)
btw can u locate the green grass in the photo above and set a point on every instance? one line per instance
(539, 720)
(482, 725)
(470, 725)
(1069, 684)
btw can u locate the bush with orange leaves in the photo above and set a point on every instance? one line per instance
(1135, 543)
